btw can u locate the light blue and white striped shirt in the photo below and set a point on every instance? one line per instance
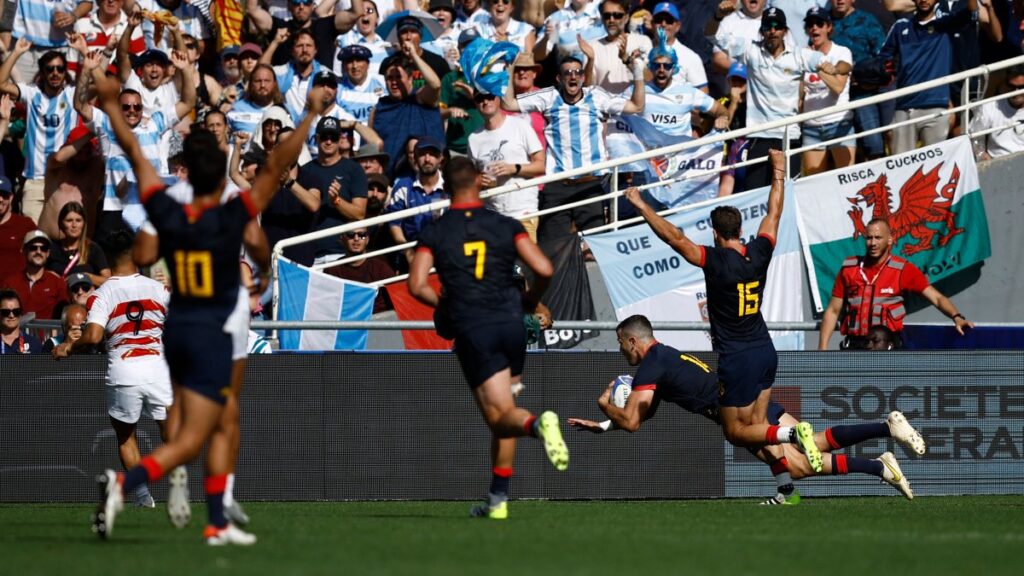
(359, 100)
(295, 88)
(32, 20)
(47, 125)
(245, 116)
(574, 132)
(669, 110)
(118, 167)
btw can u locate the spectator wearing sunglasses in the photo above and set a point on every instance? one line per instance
(12, 339)
(49, 118)
(333, 188)
(39, 290)
(364, 270)
(613, 54)
(80, 288)
(325, 30)
(13, 228)
(119, 196)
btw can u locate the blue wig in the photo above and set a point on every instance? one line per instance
(663, 51)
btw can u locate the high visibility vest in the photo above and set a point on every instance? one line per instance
(869, 302)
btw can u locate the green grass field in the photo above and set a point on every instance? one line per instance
(873, 536)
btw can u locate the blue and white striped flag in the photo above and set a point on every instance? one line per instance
(630, 134)
(307, 294)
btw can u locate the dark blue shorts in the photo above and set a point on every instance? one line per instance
(775, 412)
(486, 350)
(746, 373)
(199, 356)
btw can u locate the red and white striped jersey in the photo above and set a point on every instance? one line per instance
(132, 310)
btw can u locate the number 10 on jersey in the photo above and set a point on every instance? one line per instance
(194, 273)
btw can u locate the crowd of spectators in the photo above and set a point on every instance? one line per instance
(400, 105)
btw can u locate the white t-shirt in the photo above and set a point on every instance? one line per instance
(132, 310)
(817, 95)
(609, 71)
(1000, 142)
(691, 67)
(513, 143)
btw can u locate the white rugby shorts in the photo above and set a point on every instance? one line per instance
(150, 394)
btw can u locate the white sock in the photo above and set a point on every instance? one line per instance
(229, 490)
(785, 436)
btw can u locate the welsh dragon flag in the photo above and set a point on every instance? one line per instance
(930, 196)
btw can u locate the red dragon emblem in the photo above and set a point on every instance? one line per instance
(919, 205)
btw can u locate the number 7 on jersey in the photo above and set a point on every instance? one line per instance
(479, 249)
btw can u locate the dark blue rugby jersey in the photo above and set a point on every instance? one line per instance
(680, 379)
(202, 251)
(474, 252)
(735, 286)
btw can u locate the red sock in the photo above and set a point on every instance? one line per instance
(771, 436)
(528, 425)
(779, 466)
(839, 464)
(153, 470)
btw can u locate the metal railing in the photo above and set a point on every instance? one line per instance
(982, 72)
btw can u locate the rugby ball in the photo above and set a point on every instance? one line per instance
(621, 388)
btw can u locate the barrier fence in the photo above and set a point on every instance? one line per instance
(366, 426)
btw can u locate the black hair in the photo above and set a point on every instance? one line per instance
(205, 161)
(727, 221)
(636, 325)
(9, 294)
(460, 173)
(118, 243)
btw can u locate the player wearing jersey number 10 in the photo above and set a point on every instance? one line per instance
(474, 250)
(202, 241)
(735, 275)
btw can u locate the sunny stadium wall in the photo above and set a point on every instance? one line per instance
(383, 426)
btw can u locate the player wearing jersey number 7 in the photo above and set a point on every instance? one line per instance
(474, 251)
(735, 275)
(201, 242)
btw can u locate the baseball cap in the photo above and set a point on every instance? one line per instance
(328, 125)
(5, 185)
(325, 78)
(354, 52)
(738, 70)
(79, 278)
(34, 235)
(250, 47)
(229, 51)
(467, 36)
(818, 13)
(428, 143)
(409, 22)
(773, 18)
(667, 8)
(152, 55)
(441, 4)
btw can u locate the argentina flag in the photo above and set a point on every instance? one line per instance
(307, 294)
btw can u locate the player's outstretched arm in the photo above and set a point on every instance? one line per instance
(632, 414)
(419, 271)
(665, 230)
(770, 224)
(109, 90)
(534, 258)
(268, 180)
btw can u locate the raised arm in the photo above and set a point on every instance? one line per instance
(258, 17)
(665, 230)
(725, 8)
(430, 93)
(268, 181)
(124, 51)
(637, 100)
(770, 224)
(509, 102)
(346, 19)
(20, 47)
(185, 73)
(280, 37)
(109, 90)
(90, 62)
